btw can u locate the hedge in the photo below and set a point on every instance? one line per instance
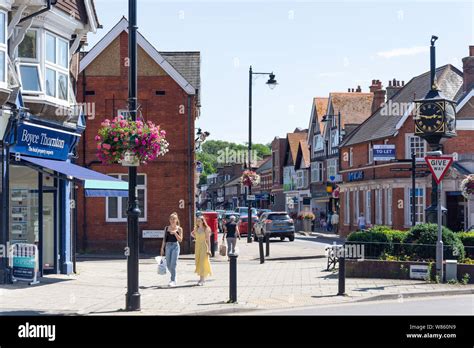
(428, 234)
(390, 241)
(467, 239)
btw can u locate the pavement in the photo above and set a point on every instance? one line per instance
(294, 276)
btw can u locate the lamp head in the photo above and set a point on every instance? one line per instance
(272, 83)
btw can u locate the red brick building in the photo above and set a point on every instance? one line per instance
(168, 95)
(384, 195)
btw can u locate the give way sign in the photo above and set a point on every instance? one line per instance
(439, 166)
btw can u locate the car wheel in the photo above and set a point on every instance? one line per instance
(292, 238)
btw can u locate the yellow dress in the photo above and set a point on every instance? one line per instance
(203, 265)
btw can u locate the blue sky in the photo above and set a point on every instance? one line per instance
(313, 47)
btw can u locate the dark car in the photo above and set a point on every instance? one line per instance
(275, 224)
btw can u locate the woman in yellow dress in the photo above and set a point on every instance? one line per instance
(202, 234)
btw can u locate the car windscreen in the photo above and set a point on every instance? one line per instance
(278, 217)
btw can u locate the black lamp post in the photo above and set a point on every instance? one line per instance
(272, 84)
(435, 120)
(133, 212)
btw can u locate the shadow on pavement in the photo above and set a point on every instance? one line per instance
(42, 282)
(166, 287)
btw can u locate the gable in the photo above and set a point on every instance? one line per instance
(107, 62)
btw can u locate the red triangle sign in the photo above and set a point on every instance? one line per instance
(439, 166)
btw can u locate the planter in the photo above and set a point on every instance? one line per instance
(307, 225)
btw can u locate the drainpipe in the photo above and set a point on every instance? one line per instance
(190, 171)
(48, 7)
(84, 141)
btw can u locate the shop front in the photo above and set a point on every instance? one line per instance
(37, 186)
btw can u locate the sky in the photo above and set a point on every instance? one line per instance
(313, 47)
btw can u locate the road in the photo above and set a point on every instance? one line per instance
(445, 305)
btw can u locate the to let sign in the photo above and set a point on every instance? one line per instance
(384, 152)
(438, 166)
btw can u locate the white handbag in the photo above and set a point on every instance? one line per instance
(161, 265)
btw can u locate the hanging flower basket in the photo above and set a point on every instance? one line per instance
(467, 187)
(130, 143)
(306, 216)
(250, 178)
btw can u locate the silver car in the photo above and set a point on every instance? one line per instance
(275, 224)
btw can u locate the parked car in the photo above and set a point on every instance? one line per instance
(243, 224)
(275, 224)
(261, 211)
(245, 210)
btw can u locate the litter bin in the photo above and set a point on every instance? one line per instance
(451, 270)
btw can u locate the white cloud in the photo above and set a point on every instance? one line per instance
(398, 52)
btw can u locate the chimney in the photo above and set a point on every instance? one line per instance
(468, 70)
(358, 90)
(379, 95)
(393, 87)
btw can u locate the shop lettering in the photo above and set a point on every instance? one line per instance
(42, 139)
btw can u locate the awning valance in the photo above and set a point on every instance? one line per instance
(95, 184)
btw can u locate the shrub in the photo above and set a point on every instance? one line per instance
(467, 239)
(376, 243)
(427, 235)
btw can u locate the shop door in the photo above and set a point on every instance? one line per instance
(456, 207)
(50, 249)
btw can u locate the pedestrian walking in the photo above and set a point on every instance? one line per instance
(231, 232)
(170, 246)
(361, 222)
(335, 222)
(202, 234)
(329, 222)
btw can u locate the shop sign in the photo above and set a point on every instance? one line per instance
(41, 141)
(384, 152)
(151, 234)
(356, 176)
(24, 262)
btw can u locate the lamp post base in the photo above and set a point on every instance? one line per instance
(132, 302)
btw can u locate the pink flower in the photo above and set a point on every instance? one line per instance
(116, 139)
(106, 146)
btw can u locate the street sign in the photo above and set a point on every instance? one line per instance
(153, 234)
(384, 152)
(439, 166)
(400, 169)
(251, 197)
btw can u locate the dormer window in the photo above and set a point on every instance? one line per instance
(44, 65)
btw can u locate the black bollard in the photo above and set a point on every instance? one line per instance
(342, 277)
(267, 245)
(233, 278)
(260, 249)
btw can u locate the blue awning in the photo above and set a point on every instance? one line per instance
(95, 184)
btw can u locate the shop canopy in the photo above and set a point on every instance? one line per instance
(95, 184)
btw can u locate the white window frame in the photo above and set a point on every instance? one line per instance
(347, 211)
(420, 206)
(370, 154)
(4, 50)
(408, 147)
(318, 143)
(356, 205)
(332, 165)
(388, 206)
(40, 77)
(316, 171)
(378, 207)
(368, 206)
(119, 200)
(55, 66)
(351, 157)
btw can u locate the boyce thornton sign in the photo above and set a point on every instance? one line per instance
(41, 141)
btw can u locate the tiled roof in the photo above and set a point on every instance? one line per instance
(354, 107)
(304, 149)
(266, 164)
(294, 142)
(189, 66)
(380, 126)
(321, 106)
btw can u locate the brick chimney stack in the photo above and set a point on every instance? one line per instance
(468, 70)
(379, 94)
(393, 87)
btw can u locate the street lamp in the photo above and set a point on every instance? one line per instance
(132, 302)
(271, 83)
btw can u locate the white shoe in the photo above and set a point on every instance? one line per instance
(200, 283)
(172, 284)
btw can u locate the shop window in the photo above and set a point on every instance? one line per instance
(378, 207)
(368, 206)
(356, 205)
(116, 207)
(388, 207)
(419, 206)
